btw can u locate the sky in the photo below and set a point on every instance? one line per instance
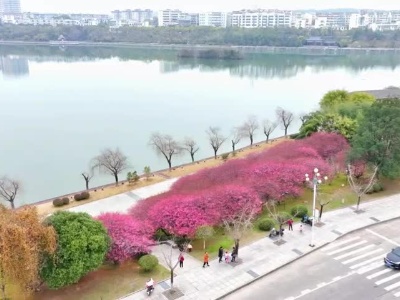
(106, 6)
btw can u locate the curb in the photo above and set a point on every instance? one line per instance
(297, 258)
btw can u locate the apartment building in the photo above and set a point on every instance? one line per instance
(215, 19)
(261, 18)
(10, 7)
(137, 16)
(169, 17)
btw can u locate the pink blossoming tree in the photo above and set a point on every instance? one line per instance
(128, 236)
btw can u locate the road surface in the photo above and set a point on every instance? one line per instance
(347, 269)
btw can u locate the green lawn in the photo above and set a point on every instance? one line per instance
(109, 282)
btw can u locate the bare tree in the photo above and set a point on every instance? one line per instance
(249, 127)
(285, 118)
(215, 138)
(190, 146)
(360, 184)
(280, 217)
(303, 117)
(236, 137)
(239, 223)
(111, 161)
(87, 176)
(9, 189)
(324, 199)
(171, 261)
(166, 146)
(268, 128)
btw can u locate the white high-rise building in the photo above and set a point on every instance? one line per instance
(355, 21)
(10, 7)
(169, 17)
(261, 18)
(215, 19)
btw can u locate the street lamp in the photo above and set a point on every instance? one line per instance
(315, 181)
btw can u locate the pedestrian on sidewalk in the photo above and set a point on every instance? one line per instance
(290, 223)
(181, 259)
(234, 254)
(227, 257)
(220, 253)
(206, 257)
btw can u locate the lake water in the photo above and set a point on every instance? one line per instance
(60, 107)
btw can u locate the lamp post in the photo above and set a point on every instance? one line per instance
(316, 179)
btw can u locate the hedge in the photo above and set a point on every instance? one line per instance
(266, 224)
(148, 262)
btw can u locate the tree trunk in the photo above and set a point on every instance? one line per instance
(192, 155)
(3, 291)
(12, 204)
(251, 140)
(286, 128)
(204, 244)
(358, 202)
(87, 183)
(233, 146)
(2, 285)
(116, 178)
(215, 153)
(169, 164)
(267, 139)
(172, 278)
(320, 211)
(237, 247)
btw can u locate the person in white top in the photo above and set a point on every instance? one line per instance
(150, 284)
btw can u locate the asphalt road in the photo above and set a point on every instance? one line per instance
(350, 268)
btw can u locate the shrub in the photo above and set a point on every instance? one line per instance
(148, 262)
(85, 195)
(225, 156)
(299, 211)
(65, 200)
(78, 197)
(58, 202)
(82, 245)
(82, 196)
(375, 188)
(266, 224)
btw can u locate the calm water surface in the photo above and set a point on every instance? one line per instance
(60, 107)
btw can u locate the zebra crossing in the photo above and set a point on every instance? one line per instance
(366, 259)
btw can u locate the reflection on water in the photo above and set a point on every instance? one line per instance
(254, 66)
(14, 66)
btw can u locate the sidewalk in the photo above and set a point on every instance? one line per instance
(122, 202)
(263, 256)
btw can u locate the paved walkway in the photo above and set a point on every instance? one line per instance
(122, 202)
(264, 256)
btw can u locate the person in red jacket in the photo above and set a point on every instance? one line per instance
(290, 223)
(206, 257)
(181, 259)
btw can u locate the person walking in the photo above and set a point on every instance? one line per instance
(181, 259)
(234, 254)
(290, 223)
(220, 253)
(205, 259)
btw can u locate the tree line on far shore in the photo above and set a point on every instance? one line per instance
(279, 37)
